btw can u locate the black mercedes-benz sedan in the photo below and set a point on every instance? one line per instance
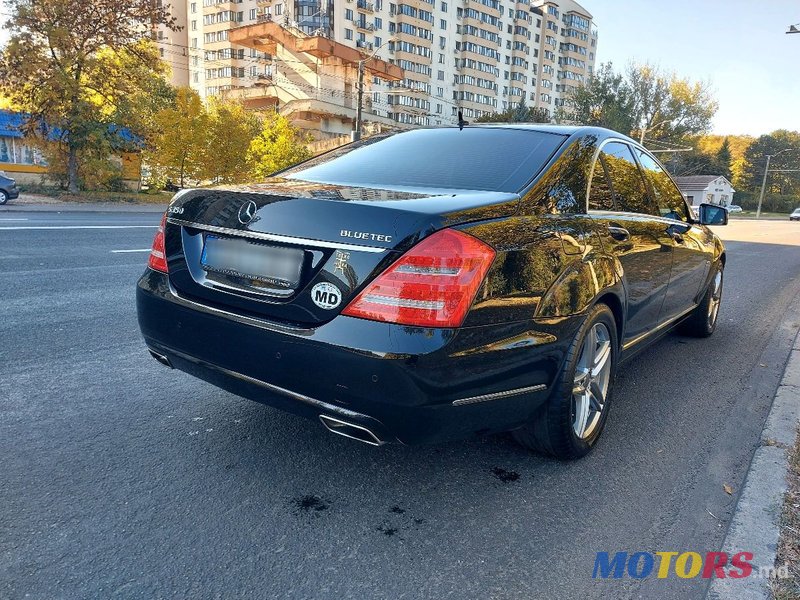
(437, 283)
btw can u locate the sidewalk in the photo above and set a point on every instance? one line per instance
(755, 526)
(31, 203)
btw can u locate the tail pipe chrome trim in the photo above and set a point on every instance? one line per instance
(499, 395)
(350, 430)
(160, 358)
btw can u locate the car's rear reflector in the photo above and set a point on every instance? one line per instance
(431, 285)
(158, 254)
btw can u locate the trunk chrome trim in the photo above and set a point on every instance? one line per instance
(274, 237)
(499, 395)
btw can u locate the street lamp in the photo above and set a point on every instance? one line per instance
(764, 181)
(356, 133)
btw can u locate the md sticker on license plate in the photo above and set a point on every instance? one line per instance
(279, 267)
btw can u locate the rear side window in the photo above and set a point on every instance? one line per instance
(669, 199)
(601, 196)
(630, 193)
(475, 158)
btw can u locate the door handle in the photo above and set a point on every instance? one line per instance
(619, 233)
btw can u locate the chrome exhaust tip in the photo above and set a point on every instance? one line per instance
(160, 358)
(350, 430)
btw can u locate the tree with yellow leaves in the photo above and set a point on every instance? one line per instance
(179, 147)
(231, 130)
(277, 146)
(71, 65)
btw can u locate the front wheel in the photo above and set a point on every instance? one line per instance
(3, 197)
(574, 415)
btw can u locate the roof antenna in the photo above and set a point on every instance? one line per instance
(461, 121)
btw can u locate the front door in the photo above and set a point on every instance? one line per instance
(623, 212)
(691, 261)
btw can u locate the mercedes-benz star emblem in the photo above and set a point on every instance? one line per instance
(247, 212)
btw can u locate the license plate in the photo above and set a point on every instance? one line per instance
(279, 267)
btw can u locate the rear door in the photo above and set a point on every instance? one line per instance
(691, 254)
(630, 228)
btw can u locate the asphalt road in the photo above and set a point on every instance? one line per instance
(121, 478)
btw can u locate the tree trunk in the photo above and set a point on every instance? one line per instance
(72, 170)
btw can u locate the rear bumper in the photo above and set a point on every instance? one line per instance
(404, 384)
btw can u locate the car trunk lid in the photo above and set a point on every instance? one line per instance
(298, 252)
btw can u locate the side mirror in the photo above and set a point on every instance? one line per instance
(711, 214)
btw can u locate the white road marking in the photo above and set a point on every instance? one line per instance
(13, 219)
(40, 227)
(126, 251)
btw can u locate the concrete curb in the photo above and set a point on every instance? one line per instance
(755, 524)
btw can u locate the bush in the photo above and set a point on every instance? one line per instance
(98, 169)
(776, 203)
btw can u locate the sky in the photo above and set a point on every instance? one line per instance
(741, 48)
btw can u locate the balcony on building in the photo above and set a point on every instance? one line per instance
(364, 25)
(364, 5)
(315, 78)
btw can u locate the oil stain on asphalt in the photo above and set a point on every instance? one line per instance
(309, 503)
(396, 524)
(504, 475)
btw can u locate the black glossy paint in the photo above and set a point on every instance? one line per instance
(554, 260)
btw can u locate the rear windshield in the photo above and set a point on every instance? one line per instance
(485, 159)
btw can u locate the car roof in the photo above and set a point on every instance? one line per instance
(566, 130)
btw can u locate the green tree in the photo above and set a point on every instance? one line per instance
(231, 129)
(783, 177)
(519, 113)
(725, 158)
(668, 107)
(179, 149)
(606, 100)
(277, 146)
(643, 102)
(695, 162)
(70, 64)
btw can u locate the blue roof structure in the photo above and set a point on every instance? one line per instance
(11, 124)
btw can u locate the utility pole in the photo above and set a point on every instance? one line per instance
(763, 187)
(764, 181)
(356, 134)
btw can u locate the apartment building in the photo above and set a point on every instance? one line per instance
(426, 60)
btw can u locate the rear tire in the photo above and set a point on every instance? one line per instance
(573, 417)
(702, 321)
(3, 197)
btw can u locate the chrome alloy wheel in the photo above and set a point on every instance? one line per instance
(592, 376)
(714, 301)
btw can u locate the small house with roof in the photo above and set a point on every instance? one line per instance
(706, 189)
(19, 158)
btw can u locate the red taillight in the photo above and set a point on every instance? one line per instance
(158, 254)
(431, 285)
